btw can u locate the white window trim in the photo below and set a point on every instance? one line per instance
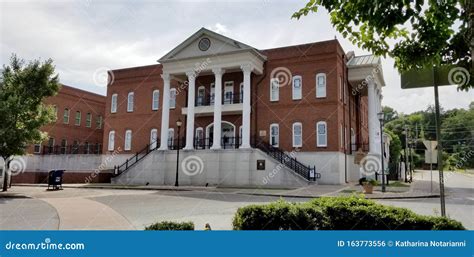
(66, 113)
(39, 148)
(130, 104)
(319, 94)
(128, 140)
(80, 118)
(277, 97)
(293, 134)
(319, 144)
(277, 136)
(172, 136)
(111, 143)
(113, 103)
(155, 98)
(89, 115)
(229, 87)
(153, 143)
(175, 95)
(201, 101)
(293, 87)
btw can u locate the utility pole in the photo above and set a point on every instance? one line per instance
(440, 152)
(406, 154)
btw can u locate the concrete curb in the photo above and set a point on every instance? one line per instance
(319, 196)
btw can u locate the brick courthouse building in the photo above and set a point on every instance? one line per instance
(281, 117)
(312, 103)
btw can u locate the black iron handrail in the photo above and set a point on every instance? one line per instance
(229, 98)
(136, 158)
(305, 171)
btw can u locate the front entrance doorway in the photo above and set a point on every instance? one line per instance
(227, 134)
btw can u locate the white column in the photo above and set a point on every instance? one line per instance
(216, 140)
(165, 112)
(372, 117)
(190, 113)
(247, 69)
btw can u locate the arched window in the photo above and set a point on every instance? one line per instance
(78, 119)
(297, 87)
(128, 140)
(155, 100)
(173, 98)
(88, 120)
(274, 89)
(66, 116)
(297, 134)
(199, 139)
(130, 100)
(274, 135)
(113, 103)
(320, 85)
(321, 134)
(111, 144)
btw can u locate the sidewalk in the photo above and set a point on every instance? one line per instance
(417, 189)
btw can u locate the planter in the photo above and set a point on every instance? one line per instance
(368, 188)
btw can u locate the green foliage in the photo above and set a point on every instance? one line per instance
(169, 225)
(415, 33)
(336, 213)
(395, 146)
(23, 88)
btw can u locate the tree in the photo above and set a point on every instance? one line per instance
(415, 33)
(22, 111)
(389, 114)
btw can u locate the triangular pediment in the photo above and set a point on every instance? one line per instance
(205, 43)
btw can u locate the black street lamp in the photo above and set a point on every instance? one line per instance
(178, 124)
(380, 116)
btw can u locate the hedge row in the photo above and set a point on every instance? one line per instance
(336, 213)
(169, 225)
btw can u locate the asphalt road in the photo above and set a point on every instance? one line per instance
(459, 190)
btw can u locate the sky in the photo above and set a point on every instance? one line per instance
(85, 38)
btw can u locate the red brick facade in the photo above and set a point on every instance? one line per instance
(72, 131)
(340, 108)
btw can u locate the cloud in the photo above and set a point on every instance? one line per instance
(85, 36)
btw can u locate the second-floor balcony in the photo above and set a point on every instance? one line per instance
(204, 104)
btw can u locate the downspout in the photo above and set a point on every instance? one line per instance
(344, 113)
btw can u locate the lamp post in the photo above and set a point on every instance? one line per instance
(380, 116)
(178, 124)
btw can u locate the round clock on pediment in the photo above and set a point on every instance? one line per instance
(204, 44)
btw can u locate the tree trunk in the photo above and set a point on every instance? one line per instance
(6, 174)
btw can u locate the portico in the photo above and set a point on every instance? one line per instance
(207, 53)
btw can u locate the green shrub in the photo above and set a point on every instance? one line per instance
(169, 225)
(279, 215)
(336, 213)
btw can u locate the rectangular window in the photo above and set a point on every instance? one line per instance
(78, 119)
(228, 92)
(88, 120)
(322, 136)
(297, 134)
(297, 88)
(274, 89)
(113, 103)
(153, 138)
(172, 98)
(111, 144)
(170, 138)
(274, 135)
(37, 148)
(321, 85)
(130, 100)
(128, 140)
(63, 146)
(155, 100)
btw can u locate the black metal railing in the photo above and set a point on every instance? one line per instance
(72, 149)
(307, 172)
(229, 98)
(136, 158)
